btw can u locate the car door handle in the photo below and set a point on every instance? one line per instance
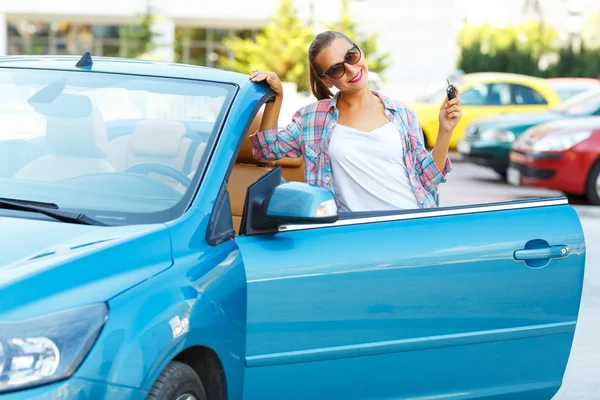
(544, 253)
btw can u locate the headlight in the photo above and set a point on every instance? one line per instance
(48, 348)
(498, 135)
(471, 130)
(560, 141)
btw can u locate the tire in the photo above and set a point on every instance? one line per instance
(577, 200)
(592, 186)
(175, 382)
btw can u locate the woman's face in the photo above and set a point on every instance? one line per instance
(336, 57)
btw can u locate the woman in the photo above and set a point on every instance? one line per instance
(363, 146)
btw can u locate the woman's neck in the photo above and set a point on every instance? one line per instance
(356, 99)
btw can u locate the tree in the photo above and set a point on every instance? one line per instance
(572, 63)
(280, 47)
(367, 43)
(516, 49)
(138, 38)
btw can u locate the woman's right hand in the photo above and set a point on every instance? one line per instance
(271, 78)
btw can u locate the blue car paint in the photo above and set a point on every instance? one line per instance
(125, 66)
(374, 300)
(517, 122)
(408, 308)
(296, 200)
(83, 264)
(80, 389)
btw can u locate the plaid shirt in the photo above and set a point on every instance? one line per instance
(310, 131)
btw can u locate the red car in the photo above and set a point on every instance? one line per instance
(562, 155)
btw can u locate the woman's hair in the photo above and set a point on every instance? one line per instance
(321, 41)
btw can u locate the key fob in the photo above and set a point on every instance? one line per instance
(450, 91)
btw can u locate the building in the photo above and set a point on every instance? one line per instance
(421, 42)
(421, 36)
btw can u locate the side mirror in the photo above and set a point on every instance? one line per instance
(297, 202)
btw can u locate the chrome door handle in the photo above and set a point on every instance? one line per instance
(544, 253)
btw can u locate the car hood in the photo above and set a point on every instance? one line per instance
(508, 121)
(570, 125)
(47, 266)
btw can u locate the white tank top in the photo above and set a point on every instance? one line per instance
(369, 170)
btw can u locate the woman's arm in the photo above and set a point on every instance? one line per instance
(450, 114)
(433, 167)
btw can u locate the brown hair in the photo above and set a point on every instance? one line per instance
(321, 41)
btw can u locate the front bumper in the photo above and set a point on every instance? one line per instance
(488, 154)
(76, 389)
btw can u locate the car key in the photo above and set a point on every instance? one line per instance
(450, 90)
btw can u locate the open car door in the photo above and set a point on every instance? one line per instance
(461, 302)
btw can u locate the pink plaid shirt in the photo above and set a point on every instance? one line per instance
(310, 131)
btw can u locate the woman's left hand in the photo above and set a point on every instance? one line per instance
(450, 113)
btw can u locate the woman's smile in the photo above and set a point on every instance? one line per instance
(357, 77)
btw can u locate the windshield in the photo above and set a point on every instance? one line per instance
(585, 103)
(119, 148)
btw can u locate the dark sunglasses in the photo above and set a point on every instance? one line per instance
(338, 70)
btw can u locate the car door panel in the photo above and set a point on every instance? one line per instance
(401, 301)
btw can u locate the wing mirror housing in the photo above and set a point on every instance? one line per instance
(301, 203)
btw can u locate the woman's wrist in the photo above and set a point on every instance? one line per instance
(445, 132)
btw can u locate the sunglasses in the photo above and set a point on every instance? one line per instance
(336, 71)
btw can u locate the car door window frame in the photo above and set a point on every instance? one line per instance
(220, 225)
(359, 218)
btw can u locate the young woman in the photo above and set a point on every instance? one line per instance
(363, 146)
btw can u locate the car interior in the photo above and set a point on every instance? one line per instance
(68, 151)
(248, 170)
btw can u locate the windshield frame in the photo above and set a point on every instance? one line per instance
(120, 218)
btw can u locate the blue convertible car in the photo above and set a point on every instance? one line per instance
(146, 255)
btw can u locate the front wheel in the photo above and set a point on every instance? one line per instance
(178, 381)
(592, 187)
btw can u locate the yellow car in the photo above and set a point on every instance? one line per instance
(485, 94)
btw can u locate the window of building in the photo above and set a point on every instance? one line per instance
(63, 38)
(205, 46)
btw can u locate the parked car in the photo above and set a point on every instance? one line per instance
(148, 255)
(568, 87)
(561, 155)
(487, 141)
(482, 95)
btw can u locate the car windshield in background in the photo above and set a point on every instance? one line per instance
(118, 148)
(437, 90)
(585, 103)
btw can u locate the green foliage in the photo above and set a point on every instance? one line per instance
(280, 47)
(138, 37)
(515, 49)
(585, 63)
(368, 44)
(519, 49)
